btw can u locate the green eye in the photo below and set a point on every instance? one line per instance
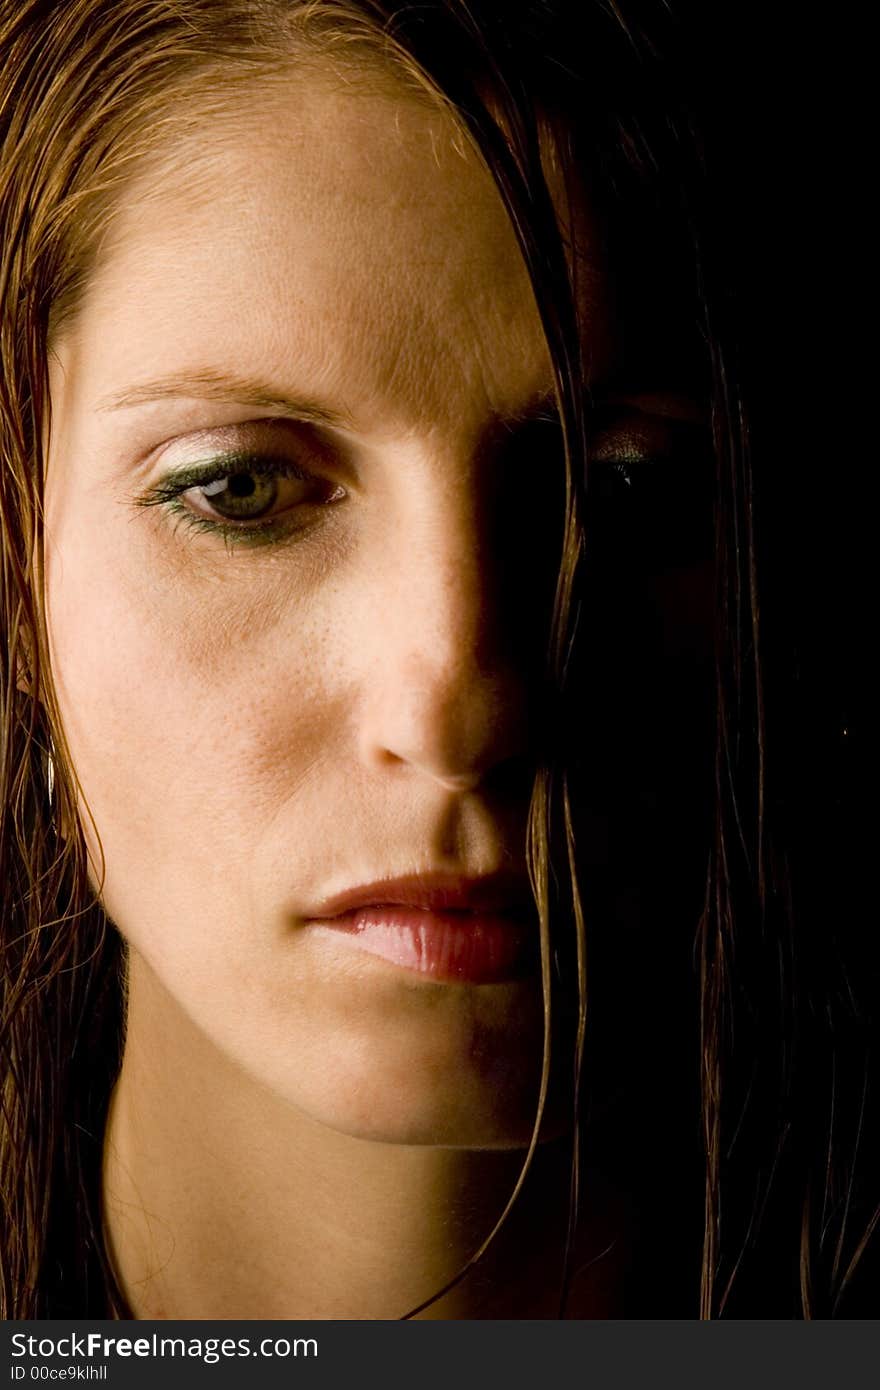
(244, 497)
(241, 496)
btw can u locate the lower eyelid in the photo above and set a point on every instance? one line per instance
(279, 526)
(170, 495)
(263, 531)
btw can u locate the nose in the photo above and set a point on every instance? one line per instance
(444, 694)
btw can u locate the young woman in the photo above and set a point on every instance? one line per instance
(398, 917)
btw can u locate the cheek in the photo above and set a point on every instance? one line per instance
(198, 710)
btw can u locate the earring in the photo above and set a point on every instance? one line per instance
(50, 771)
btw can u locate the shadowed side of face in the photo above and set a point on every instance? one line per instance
(288, 629)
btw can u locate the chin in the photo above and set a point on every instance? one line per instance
(440, 1127)
(491, 1106)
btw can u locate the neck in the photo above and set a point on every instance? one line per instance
(224, 1201)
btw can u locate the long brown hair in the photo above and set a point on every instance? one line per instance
(87, 88)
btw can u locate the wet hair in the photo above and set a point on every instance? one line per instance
(618, 107)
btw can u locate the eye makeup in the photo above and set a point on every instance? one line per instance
(650, 493)
(250, 484)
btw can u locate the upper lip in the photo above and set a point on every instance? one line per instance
(436, 892)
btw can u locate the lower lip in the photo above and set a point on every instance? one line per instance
(472, 947)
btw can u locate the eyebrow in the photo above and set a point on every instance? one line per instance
(208, 385)
(542, 405)
(670, 405)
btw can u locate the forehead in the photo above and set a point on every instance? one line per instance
(334, 239)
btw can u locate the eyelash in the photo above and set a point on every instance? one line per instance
(169, 493)
(637, 490)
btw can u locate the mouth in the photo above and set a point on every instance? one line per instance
(446, 928)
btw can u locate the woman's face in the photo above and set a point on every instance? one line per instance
(308, 665)
(263, 719)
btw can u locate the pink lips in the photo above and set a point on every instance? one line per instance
(479, 931)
